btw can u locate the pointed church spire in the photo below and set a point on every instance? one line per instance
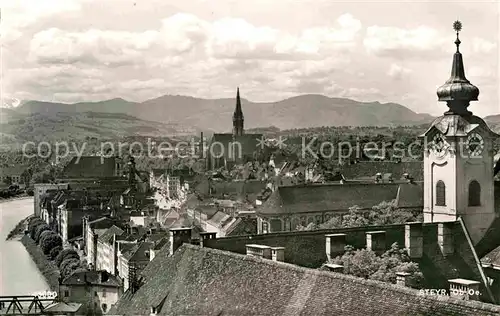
(238, 116)
(458, 91)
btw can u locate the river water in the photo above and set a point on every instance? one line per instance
(19, 274)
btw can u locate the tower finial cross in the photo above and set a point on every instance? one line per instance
(457, 26)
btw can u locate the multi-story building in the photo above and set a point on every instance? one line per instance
(98, 291)
(106, 249)
(91, 230)
(15, 174)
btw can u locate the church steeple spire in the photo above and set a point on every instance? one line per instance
(458, 91)
(238, 116)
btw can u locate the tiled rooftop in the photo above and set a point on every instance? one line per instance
(90, 167)
(369, 168)
(102, 278)
(339, 197)
(202, 281)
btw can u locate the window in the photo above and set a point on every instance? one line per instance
(303, 221)
(474, 193)
(66, 293)
(440, 193)
(103, 292)
(287, 224)
(264, 228)
(318, 219)
(95, 293)
(104, 307)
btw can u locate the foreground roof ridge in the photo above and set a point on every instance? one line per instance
(333, 275)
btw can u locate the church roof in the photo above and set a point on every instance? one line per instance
(339, 197)
(458, 125)
(90, 167)
(362, 169)
(203, 281)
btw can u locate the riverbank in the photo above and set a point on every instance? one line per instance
(18, 230)
(17, 197)
(48, 269)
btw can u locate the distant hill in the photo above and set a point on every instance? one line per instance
(493, 122)
(311, 110)
(52, 126)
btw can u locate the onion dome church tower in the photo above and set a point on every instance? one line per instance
(458, 157)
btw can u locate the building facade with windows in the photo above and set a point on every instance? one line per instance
(98, 291)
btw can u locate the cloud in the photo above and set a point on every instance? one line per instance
(400, 42)
(483, 46)
(109, 48)
(80, 50)
(18, 16)
(185, 34)
(397, 71)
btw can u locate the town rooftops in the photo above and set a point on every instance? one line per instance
(215, 282)
(340, 197)
(62, 307)
(90, 167)
(107, 236)
(101, 278)
(158, 172)
(12, 171)
(369, 168)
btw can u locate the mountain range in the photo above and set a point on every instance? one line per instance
(183, 114)
(303, 111)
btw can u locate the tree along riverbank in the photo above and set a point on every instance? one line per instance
(49, 271)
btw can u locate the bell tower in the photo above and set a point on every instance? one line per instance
(238, 120)
(458, 157)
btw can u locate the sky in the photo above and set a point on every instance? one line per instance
(387, 51)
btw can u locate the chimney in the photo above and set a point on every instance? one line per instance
(375, 241)
(103, 276)
(464, 289)
(335, 244)
(205, 236)
(202, 146)
(115, 255)
(334, 267)
(84, 232)
(414, 241)
(259, 251)
(154, 311)
(278, 254)
(178, 236)
(152, 254)
(445, 238)
(94, 259)
(403, 278)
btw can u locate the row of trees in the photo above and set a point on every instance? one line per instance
(385, 213)
(67, 260)
(364, 263)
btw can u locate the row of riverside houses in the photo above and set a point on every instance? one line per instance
(276, 273)
(108, 215)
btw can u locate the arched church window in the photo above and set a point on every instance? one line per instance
(440, 193)
(474, 193)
